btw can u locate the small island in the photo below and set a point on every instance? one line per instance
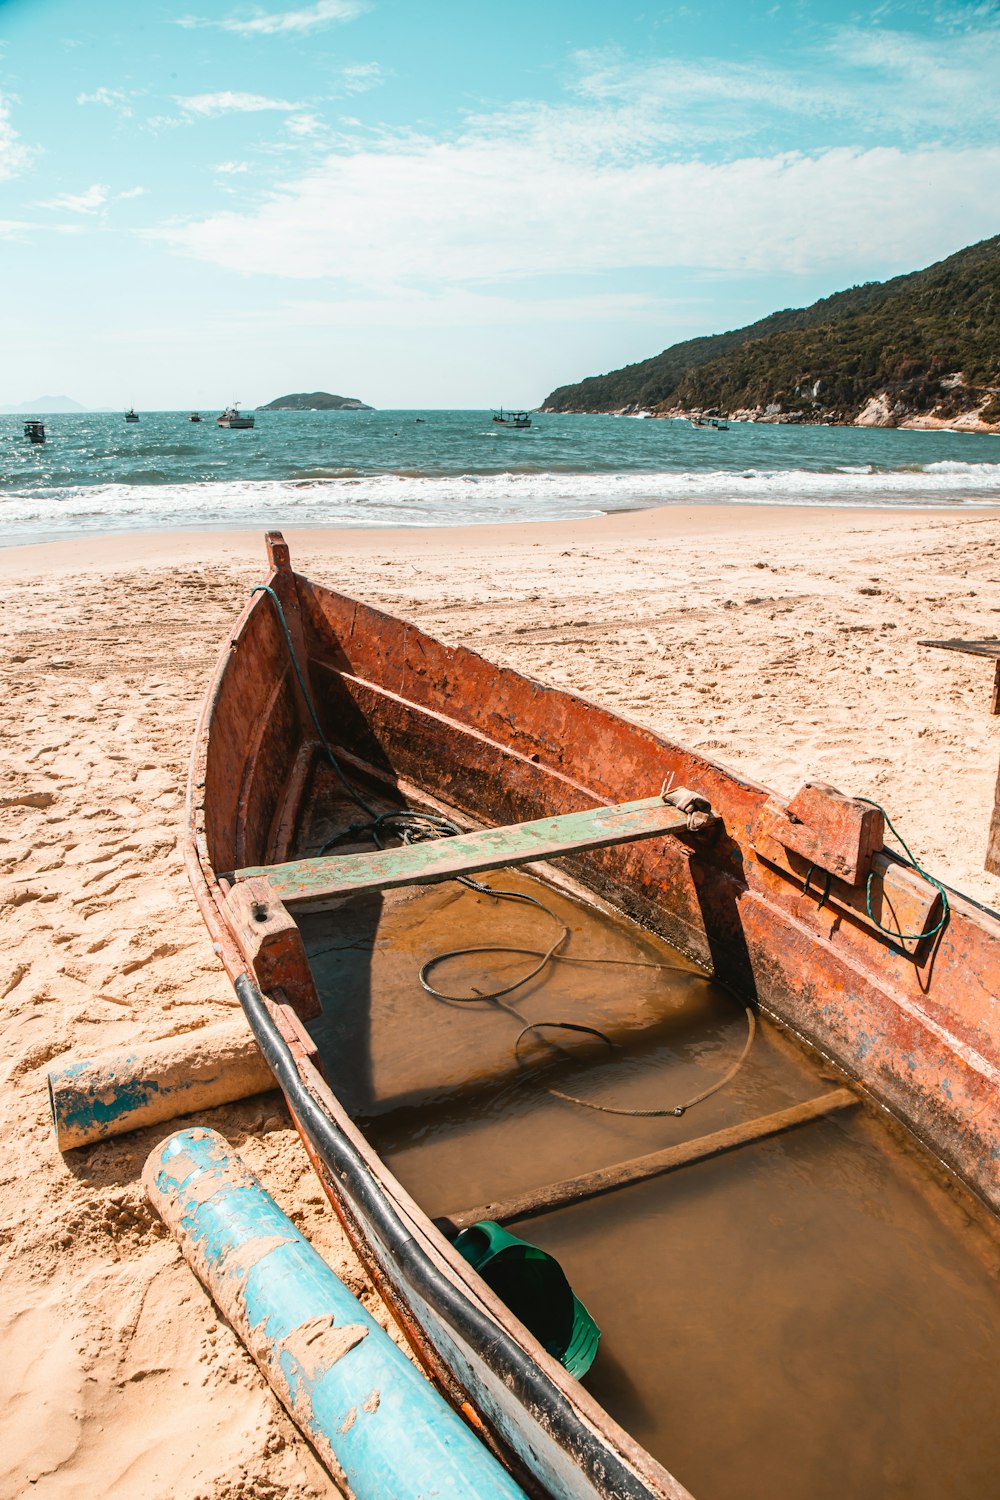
(316, 401)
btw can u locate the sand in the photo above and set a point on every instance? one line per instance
(783, 642)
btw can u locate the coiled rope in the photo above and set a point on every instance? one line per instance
(416, 827)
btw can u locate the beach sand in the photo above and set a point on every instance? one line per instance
(780, 642)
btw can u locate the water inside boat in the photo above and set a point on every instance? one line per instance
(813, 1316)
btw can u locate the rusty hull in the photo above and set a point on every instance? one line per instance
(918, 1029)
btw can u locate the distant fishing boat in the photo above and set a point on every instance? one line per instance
(34, 431)
(194, 417)
(719, 423)
(131, 415)
(512, 418)
(233, 417)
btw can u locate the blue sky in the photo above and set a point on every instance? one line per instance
(457, 205)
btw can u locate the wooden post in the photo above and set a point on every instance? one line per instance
(271, 943)
(993, 847)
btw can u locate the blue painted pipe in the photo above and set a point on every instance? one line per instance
(370, 1414)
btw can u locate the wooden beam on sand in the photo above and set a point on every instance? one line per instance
(641, 1168)
(991, 650)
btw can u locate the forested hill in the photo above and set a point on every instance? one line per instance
(315, 401)
(924, 344)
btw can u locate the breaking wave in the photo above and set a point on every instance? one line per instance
(422, 500)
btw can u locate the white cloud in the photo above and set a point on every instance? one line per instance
(116, 99)
(229, 101)
(478, 211)
(231, 168)
(304, 125)
(358, 78)
(88, 202)
(614, 178)
(15, 156)
(945, 84)
(856, 80)
(274, 23)
(134, 192)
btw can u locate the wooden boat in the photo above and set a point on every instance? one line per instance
(512, 418)
(797, 908)
(131, 415)
(34, 431)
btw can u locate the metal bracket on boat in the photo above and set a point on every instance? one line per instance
(698, 809)
(271, 944)
(832, 844)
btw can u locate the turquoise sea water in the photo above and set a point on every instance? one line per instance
(97, 473)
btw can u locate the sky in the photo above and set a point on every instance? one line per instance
(456, 205)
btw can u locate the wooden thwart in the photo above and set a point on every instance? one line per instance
(641, 1168)
(311, 883)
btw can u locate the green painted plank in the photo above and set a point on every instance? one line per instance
(315, 881)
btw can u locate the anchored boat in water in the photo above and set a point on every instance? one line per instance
(674, 1053)
(512, 418)
(233, 417)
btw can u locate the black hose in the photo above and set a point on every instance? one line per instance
(490, 1343)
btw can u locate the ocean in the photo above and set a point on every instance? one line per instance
(99, 474)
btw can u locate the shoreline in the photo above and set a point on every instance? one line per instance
(779, 642)
(99, 550)
(962, 422)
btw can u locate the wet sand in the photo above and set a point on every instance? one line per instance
(782, 642)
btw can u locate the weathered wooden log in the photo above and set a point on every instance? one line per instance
(378, 1425)
(155, 1081)
(641, 1168)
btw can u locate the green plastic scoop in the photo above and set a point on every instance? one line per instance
(533, 1285)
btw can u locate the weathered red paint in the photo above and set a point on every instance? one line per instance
(920, 1030)
(893, 896)
(841, 834)
(271, 944)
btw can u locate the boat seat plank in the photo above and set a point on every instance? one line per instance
(309, 883)
(641, 1168)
